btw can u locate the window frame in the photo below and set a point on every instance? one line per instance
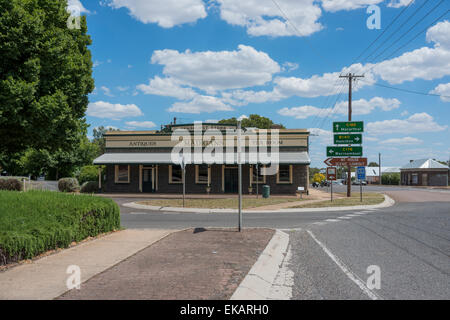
(171, 172)
(116, 173)
(197, 175)
(251, 175)
(290, 175)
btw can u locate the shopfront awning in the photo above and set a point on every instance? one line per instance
(300, 157)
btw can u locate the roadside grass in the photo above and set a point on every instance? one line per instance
(368, 199)
(34, 222)
(227, 203)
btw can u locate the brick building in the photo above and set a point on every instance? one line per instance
(424, 172)
(146, 161)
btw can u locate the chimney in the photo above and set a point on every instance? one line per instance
(174, 120)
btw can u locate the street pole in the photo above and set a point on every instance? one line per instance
(360, 191)
(379, 167)
(239, 174)
(257, 180)
(184, 184)
(350, 77)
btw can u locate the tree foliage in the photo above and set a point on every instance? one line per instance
(255, 121)
(45, 79)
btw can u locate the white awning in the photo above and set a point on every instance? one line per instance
(165, 158)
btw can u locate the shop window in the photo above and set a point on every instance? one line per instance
(175, 174)
(256, 174)
(122, 174)
(284, 174)
(202, 174)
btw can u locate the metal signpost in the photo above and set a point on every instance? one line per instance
(361, 175)
(331, 176)
(183, 171)
(239, 145)
(348, 138)
(344, 151)
(345, 162)
(348, 126)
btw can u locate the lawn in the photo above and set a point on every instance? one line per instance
(37, 221)
(218, 203)
(368, 199)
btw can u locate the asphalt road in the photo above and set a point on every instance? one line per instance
(331, 251)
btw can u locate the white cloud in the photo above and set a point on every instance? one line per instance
(122, 89)
(443, 89)
(359, 107)
(244, 97)
(106, 91)
(337, 5)
(168, 87)
(424, 63)
(398, 3)
(242, 117)
(404, 113)
(140, 124)
(166, 14)
(371, 139)
(78, 4)
(217, 70)
(289, 66)
(402, 141)
(320, 85)
(263, 17)
(200, 104)
(418, 122)
(102, 109)
(320, 136)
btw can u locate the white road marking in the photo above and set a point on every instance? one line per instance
(345, 217)
(359, 282)
(319, 223)
(332, 220)
(353, 215)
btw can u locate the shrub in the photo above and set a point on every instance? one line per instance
(37, 221)
(88, 173)
(68, 185)
(89, 187)
(390, 178)
(12, 184)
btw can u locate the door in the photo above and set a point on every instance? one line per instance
(231, 180)
(147, 180)
(424, 179)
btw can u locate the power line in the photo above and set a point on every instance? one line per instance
(410, 91)
(405, 33)
(381, 34)
(405, 22)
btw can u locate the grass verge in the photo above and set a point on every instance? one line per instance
(37, 221)
(228, 203)
(368, 199)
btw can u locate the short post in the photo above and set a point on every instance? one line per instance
(239, 174)
(184, 184)
(360, 190)
(331, 185)
(99, 178)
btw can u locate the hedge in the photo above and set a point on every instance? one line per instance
(88, 173)
(37, 221)
(89, 187)
(12, 184)
(68, 185)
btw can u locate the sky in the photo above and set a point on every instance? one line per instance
(206, 60)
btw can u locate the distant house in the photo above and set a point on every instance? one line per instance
(424, 172)
(372, 173)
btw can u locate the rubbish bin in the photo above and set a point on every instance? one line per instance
(265, 191)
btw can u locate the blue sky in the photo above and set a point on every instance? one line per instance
(208, 60)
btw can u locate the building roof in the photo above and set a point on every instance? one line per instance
(301, 157)
(424, 164)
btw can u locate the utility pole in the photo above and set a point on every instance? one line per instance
(350, 77)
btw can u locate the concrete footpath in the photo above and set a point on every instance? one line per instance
(46, 278)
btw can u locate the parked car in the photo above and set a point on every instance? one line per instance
(315, 184)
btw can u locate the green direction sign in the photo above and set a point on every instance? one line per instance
(349, 126)
(344, 151)
(348, 138)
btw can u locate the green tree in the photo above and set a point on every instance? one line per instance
(45, 78)
(373, 164)
(318, 177)
(255, 121)
(99, 137)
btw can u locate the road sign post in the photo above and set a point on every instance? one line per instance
(344, 151)
(344, 162)
(361, 175)
(331, 176)
(348, 138)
